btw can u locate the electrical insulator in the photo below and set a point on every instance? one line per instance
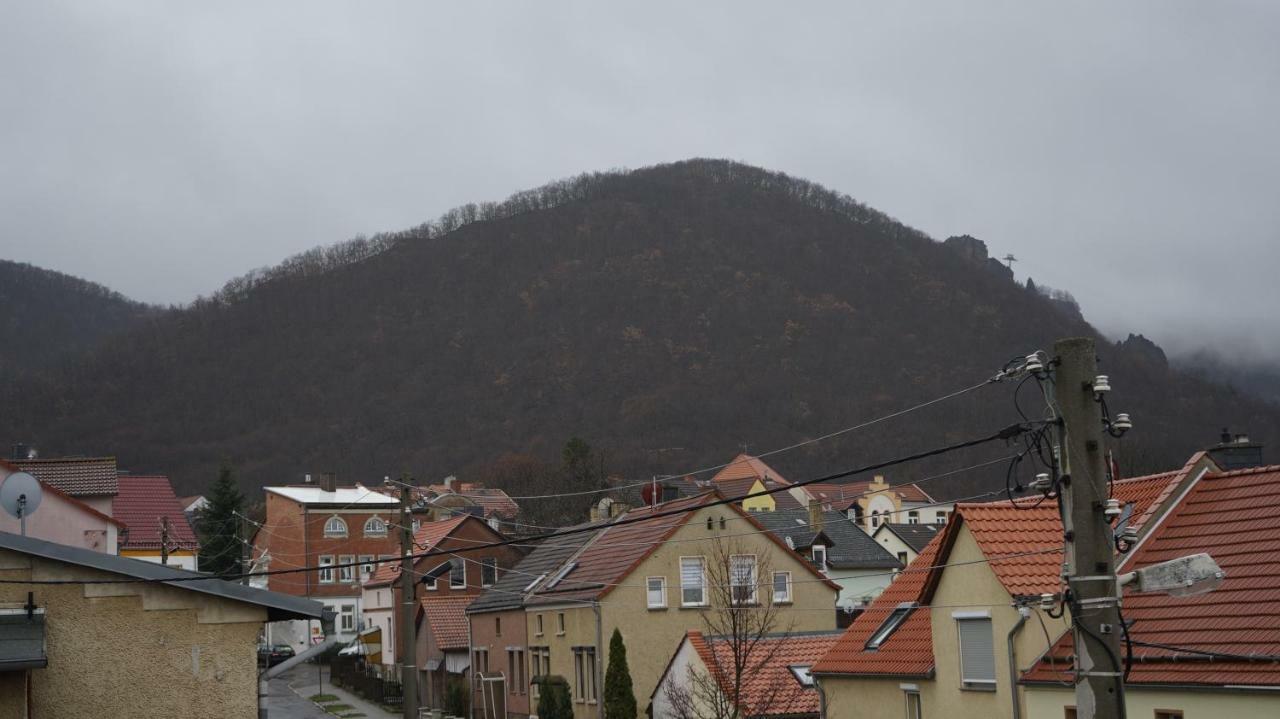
(1101, 384)
(1048, 602)
(1034, 365)
(1113, 508)
(1042, 483)
(1129, 534)
(1122, 422)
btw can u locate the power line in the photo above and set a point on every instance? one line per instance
(1009, 432)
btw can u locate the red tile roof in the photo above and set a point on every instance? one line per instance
(616, 550)
(494, 501)
(76, 476)
(428, 535)
(447, 620)
(1231, 516)
(908, 651)
(143, 501)
(745, 466)
(1000, 529)
(769, 687)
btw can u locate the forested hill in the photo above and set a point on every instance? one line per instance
(47, 317)
(669, 315)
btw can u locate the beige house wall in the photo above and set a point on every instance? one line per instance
(653, 635)
(1050, 703)
(196, 652)
(850, 698)
(976, 584)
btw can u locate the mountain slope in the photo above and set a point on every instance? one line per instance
(669, 315)
(47, 317)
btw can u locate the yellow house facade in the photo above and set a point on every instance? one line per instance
(641, 580)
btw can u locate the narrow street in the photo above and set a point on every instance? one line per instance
(284, 703)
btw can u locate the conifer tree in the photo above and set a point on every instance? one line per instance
(220, 527)
(619, 696)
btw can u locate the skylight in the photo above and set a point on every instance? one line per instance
(803, 674)
(561, 574)
(535, 581)
(891, 623)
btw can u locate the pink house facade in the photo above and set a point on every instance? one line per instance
(63, 519)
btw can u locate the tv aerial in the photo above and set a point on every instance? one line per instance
(20, 495)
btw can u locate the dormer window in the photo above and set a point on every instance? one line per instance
(913, 517)
(335, 527)
(820, 556)
(375, 527)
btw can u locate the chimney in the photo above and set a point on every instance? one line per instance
(1236, 451)
(448, 483)
(306, 479)
(618, 509)
(595, 513)
(329, 481)
(815, 515)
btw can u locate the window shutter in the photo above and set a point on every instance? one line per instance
(977, 652)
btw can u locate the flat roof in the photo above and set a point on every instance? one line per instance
(279, 606)
(357, 495)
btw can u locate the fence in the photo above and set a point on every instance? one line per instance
(353, 674)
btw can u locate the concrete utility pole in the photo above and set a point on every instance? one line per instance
(1091, 571)
(164, 540)
(408, 600)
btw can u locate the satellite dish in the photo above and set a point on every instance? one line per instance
(20, 495)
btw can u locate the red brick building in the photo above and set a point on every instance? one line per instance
(328, 528)
(446, 584)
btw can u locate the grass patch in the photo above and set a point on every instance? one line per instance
(323, 698)
(337, 708)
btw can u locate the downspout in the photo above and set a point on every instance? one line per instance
(822, 698)
(1023, 613)
(264, 679)
(595, 605)
(471, 657)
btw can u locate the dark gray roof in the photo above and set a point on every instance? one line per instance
(849, 547)
(76, 476)
(915, 535)
(509, 592)
(279, 606)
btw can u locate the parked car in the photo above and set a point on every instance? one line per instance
(271, 655)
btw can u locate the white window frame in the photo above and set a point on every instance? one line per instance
(559, 624)
(661, 589)
(913, 517)
(752, 595)
(585, 690)
(366, 566)
(940, 518)
(819, 550)
(915, 710)
(326, 569)
(347, 618)
(487, 565)
(376, 522)
(701, 587)
(346, 572)
(460, 581)
(786, 596)
(335, 527)
(537, 625)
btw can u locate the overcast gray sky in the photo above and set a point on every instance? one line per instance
(1127, 152)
